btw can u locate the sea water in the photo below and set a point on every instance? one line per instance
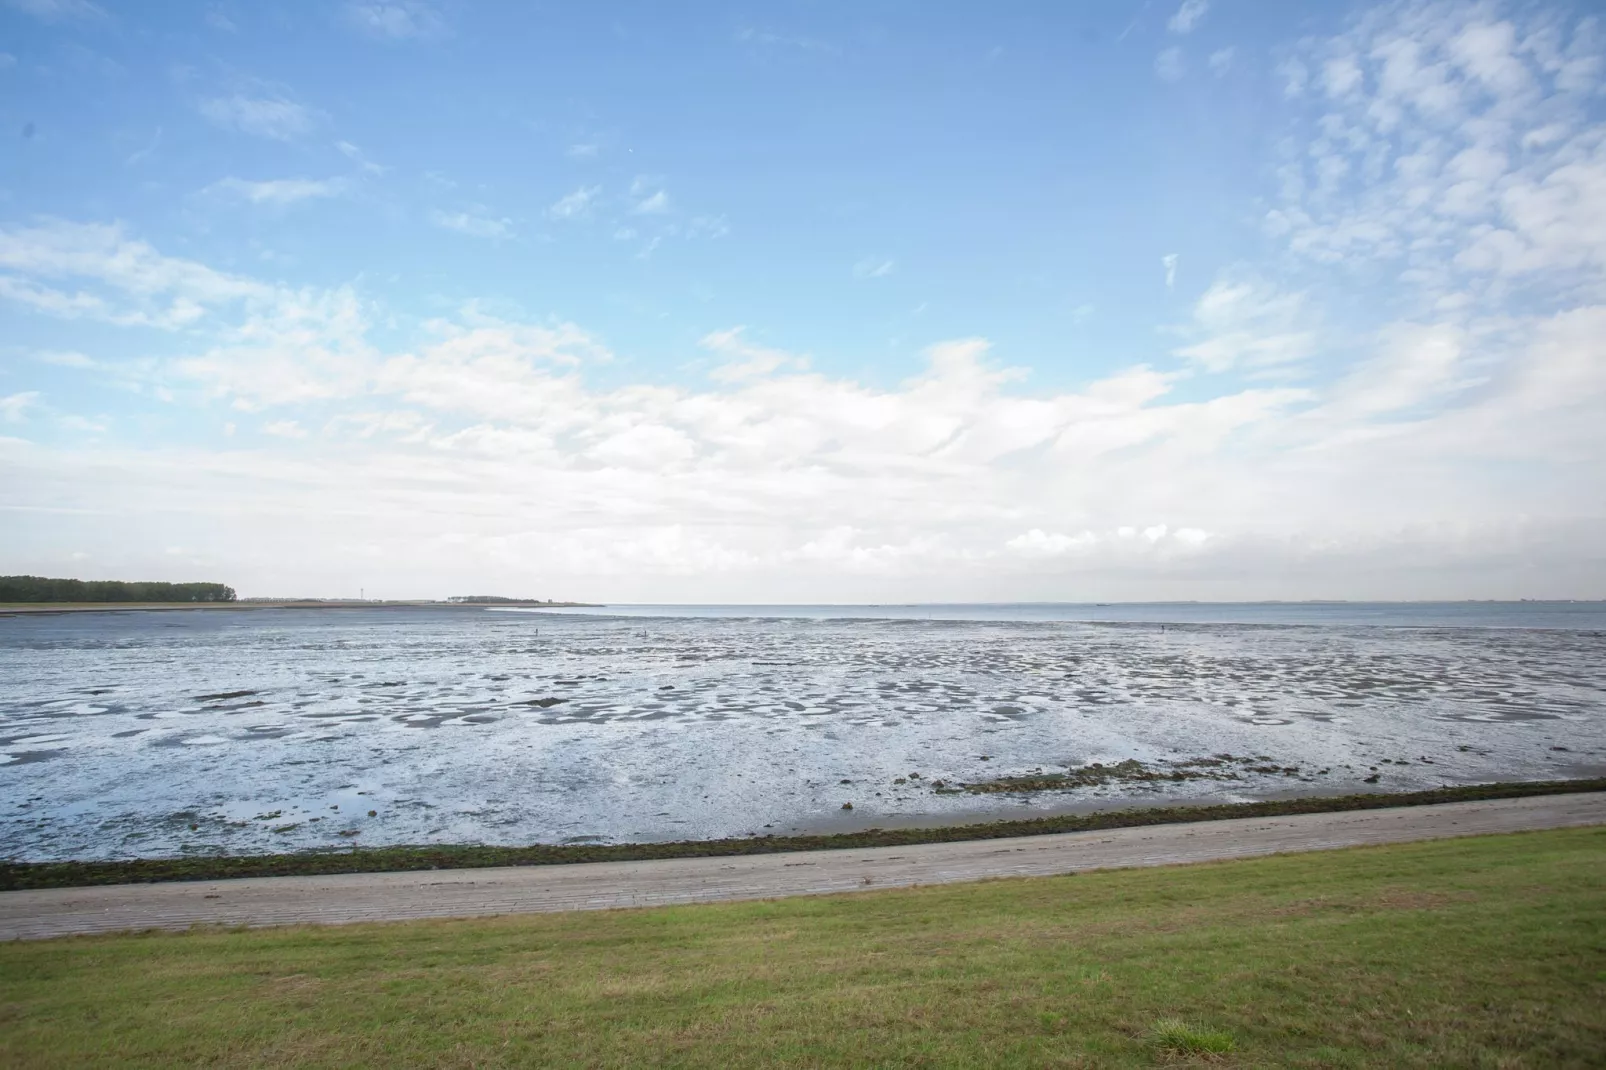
(240, 731)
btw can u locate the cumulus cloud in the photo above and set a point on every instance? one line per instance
(1150, 544)
(1169, 64)
(59, 10)
(745, 360)
(284, 429)
(1442, 437)
(217, 18)
(281, 191)
(395, 19)
(113, 277)
(358, 157)
(476, 223)
(655, 203)
(67, 358)
(574, 205)
(1247, 323)
(1188, 15)
(14, 407)
(274, 117)
(487, 437)
(1453, 145)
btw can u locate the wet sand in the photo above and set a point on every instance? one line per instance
(131, 734)
(348, 898)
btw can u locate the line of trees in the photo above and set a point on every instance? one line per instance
(43, 589)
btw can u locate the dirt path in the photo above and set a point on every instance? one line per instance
(358, 897)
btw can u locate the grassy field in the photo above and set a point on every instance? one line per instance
(1486, 952)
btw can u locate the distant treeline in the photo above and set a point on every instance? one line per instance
(41, 589)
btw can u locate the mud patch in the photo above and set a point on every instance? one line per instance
(1131, 771)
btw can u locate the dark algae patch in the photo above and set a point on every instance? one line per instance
(1131, 771)
(21, 875)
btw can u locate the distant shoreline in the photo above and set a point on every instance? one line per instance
(30, 608)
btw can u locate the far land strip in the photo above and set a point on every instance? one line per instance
(47, 594)
(31, 608)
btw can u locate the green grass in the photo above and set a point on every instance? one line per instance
(1176, 1037)
(193, 867)
(1482, 952)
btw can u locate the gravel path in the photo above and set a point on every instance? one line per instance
(357, 897)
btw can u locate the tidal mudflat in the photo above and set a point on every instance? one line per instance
(152, 734)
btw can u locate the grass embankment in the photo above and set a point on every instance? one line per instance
(20, 875)
(1488, 951)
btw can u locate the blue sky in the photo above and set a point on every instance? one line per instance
(812, 301)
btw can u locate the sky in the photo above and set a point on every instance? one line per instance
(806, 302)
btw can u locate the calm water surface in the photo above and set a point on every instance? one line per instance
(145, 733)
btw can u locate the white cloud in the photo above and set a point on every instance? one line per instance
(1295, 77)
(706, 226)
(281, 191)
(1169, 64)
(1414, 365)
(744, 359)
(284, 429)
(1404, 400)
(476, 224)
(654, 204)
(1341, 76)
(583, 150)
(358, 157)
(1221, 60)
(130, 283)
(24, 407)
(141, 155)
(781, 481)
(1188, 16)
(276, 117)
(1128, 544)
(1039, 543)
(7, 60)
(575, 205)
(14, 407)
(59, 10)
(395, 19)
(873, 267)
(1455, 145)
(1246, 323)
(64, 358)
(752, 36)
